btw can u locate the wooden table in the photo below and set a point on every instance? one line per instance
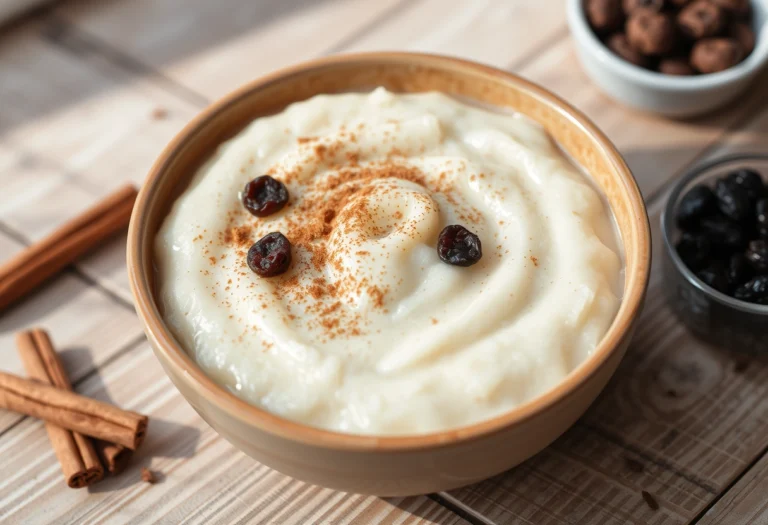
(80, 86)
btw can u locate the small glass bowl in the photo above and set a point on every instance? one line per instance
(710, 314)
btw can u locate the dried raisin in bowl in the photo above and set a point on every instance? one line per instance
(708, 313)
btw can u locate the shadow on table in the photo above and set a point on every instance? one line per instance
(165, 438)
(423, 507)
(197, 27)
(39, 303)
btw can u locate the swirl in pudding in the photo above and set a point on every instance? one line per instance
(369, 331)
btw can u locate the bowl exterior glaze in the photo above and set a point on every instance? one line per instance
(391, 465)
(664, 94)
(400, 473)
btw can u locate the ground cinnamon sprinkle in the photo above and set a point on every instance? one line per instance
(333, 190)
(320, 150)
(241, 235)
(377, 294)
(316, 291)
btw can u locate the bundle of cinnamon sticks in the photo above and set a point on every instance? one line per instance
(71, 420)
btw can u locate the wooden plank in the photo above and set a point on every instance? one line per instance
(202, 478)
(74, 127)
(66, 103)
(213, 47)
(745, 502)
(496, 32)
(39, 196)
(681, 419)
(85, 324)
(655, 147)
(212, 63)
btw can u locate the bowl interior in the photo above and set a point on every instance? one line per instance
(399, 72)
(707, 174)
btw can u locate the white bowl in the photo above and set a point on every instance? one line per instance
(675, 96)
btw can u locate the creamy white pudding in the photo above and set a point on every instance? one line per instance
(369, 331)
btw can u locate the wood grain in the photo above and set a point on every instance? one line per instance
(242, 39)
(745, 502)
(655, 148)
(500, 33)
(202, 478)
(78, 138)
(33, 211)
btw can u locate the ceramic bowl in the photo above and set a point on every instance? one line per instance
(708, 313)
(673, 96)
(390, 465)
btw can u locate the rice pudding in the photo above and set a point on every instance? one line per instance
(369, 331)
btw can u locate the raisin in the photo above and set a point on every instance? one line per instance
(755, 291)
(750, 181)
(694, 250)
(739, 270)
(458, 246)
(270, 256)
(715, 276)
(696, 204)
(264, 196)
(733, 200)
(723, 235)
(757, 255)
(761, 213)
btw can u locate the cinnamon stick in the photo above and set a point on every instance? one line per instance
(76, 454)
(28, 269)
(115, 457)
(72, 411)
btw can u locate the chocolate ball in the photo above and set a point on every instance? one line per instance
(744, 35)
(651, 33)
(604, 15)
(676, 66)
(678, 3)
(701, 19)
(619, 44)
(632, 5)
(711, 55)
(736, 7)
